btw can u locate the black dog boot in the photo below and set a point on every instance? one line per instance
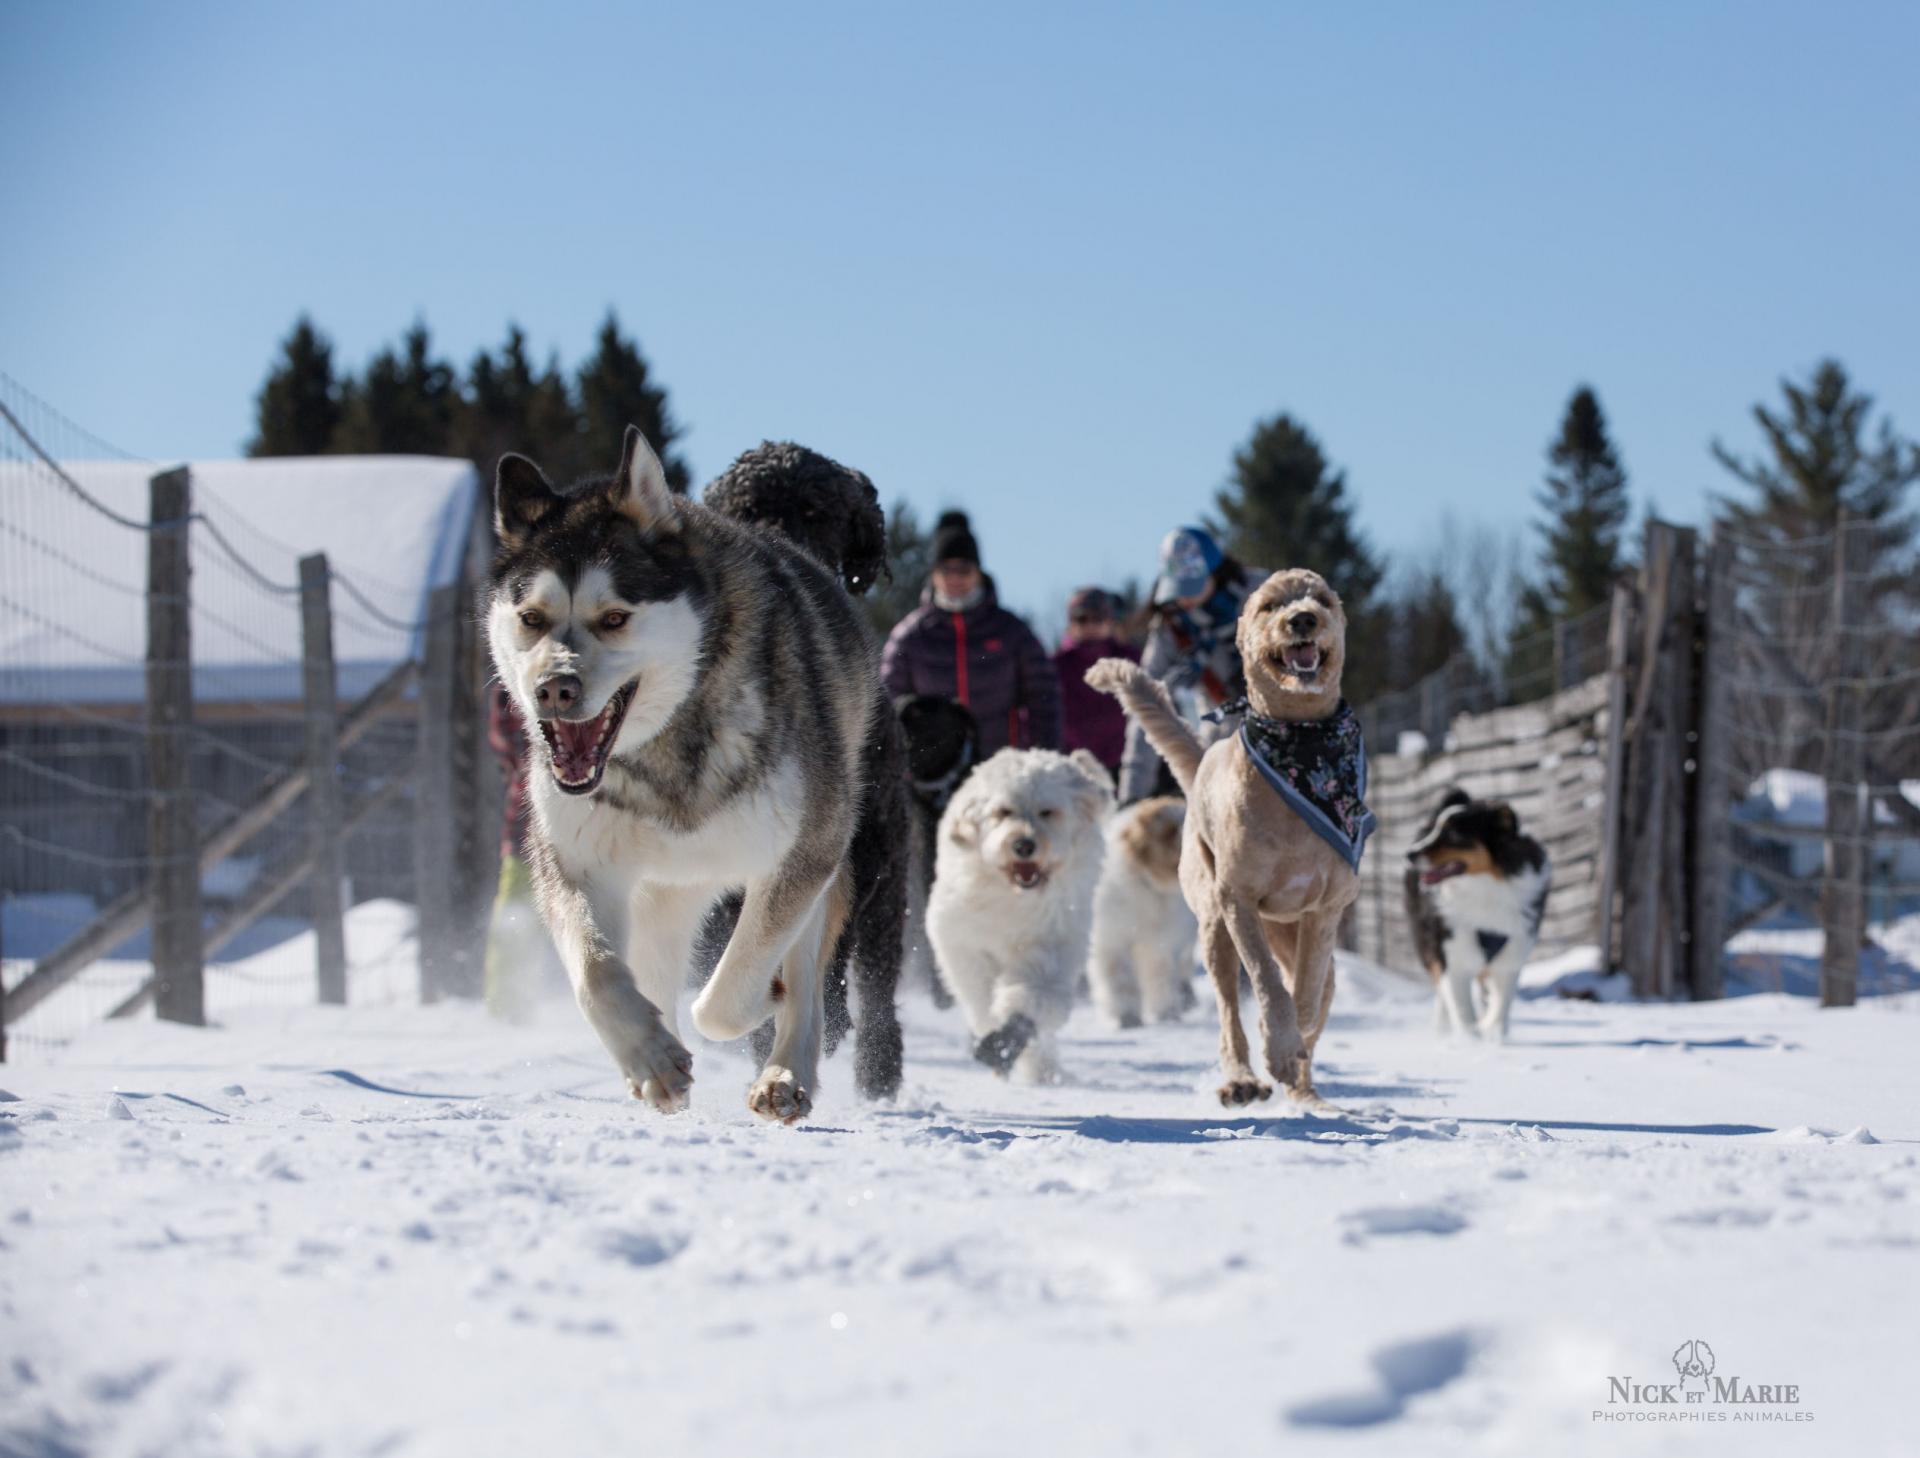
(1004, 1044)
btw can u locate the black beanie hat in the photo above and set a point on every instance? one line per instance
(953, 539)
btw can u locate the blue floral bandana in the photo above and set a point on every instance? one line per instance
(1318, 767)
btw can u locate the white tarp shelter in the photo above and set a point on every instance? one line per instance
(396, 526)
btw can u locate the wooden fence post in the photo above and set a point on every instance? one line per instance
(434, 870)
(173, 831)
(1842, 892)
(1656, 914)
(1619, 667)
(1712, 753)
(320, 688)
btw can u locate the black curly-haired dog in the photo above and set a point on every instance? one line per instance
(834, 513)
(942, 742)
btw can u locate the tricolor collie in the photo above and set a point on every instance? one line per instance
(700, 692)
(1476, 889)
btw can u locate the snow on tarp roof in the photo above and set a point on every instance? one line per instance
(397, 526)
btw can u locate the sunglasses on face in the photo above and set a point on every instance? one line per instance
(1082, 618)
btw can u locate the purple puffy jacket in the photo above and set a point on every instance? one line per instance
(1089, 719)
(987, 659)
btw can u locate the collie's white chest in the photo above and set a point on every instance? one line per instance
(1488, 903)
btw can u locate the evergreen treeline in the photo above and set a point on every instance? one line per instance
(409, 402)
(1284, 502)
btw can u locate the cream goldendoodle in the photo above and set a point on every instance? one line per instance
(1143, 934)
(1276, 823)
(1019, 855)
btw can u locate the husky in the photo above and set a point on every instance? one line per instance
(1476, 888)
(700, 692)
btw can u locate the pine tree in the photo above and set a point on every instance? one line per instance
(1284, 506)
(496, 408)
(1427, 632)
(616, 390)
(298, 408)
(1585, 506)
(403, 405)
(1823, 457)
(1821, 460)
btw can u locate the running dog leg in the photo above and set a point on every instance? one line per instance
(1502, 974)
(1279, 1019)
(1456, 995)
(784, 1089)
(877, 934)
(1223, 965)
(627, 1022)
(665, 923)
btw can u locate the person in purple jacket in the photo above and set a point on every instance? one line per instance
(1089, 719)
(961, 644)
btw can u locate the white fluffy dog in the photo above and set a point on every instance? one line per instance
(1143, 934)
(1012, 904)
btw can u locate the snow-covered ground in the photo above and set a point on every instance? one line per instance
(412, 1231)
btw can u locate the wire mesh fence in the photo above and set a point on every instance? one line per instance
(1817, 750)
(78, 802)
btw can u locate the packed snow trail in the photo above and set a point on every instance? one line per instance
(416, 1232)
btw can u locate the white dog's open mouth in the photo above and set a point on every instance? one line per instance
(1027, 875)
(1302, 660)
(1432, 875)
(580, 746)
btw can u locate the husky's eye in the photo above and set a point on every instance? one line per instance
(532, 619)
(1048, 813)
(616, 619)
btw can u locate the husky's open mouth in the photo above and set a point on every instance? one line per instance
(580, 746)
(1302, 660)
(1433, 875)
(1027, 874)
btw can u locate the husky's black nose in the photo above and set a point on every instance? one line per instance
(557, 696)
(1303, 623)
(1024, 848)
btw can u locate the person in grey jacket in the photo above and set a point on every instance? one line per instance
(1194, 610)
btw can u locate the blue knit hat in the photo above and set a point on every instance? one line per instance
(1188, 557)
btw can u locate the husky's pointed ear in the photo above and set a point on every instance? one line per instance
(640, 491)
(522, 497)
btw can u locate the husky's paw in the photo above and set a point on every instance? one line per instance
(778, 1095)
(1004, 1044)
(659, 1097)
(659, 1068)
(1237, 1091)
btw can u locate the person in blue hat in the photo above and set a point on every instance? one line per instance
(1194, 609)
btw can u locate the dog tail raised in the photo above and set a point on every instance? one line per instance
(1147, 700)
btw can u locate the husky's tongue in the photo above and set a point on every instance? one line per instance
(580, 746)
(574, 747)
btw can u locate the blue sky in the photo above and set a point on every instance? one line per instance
(1050, 262)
